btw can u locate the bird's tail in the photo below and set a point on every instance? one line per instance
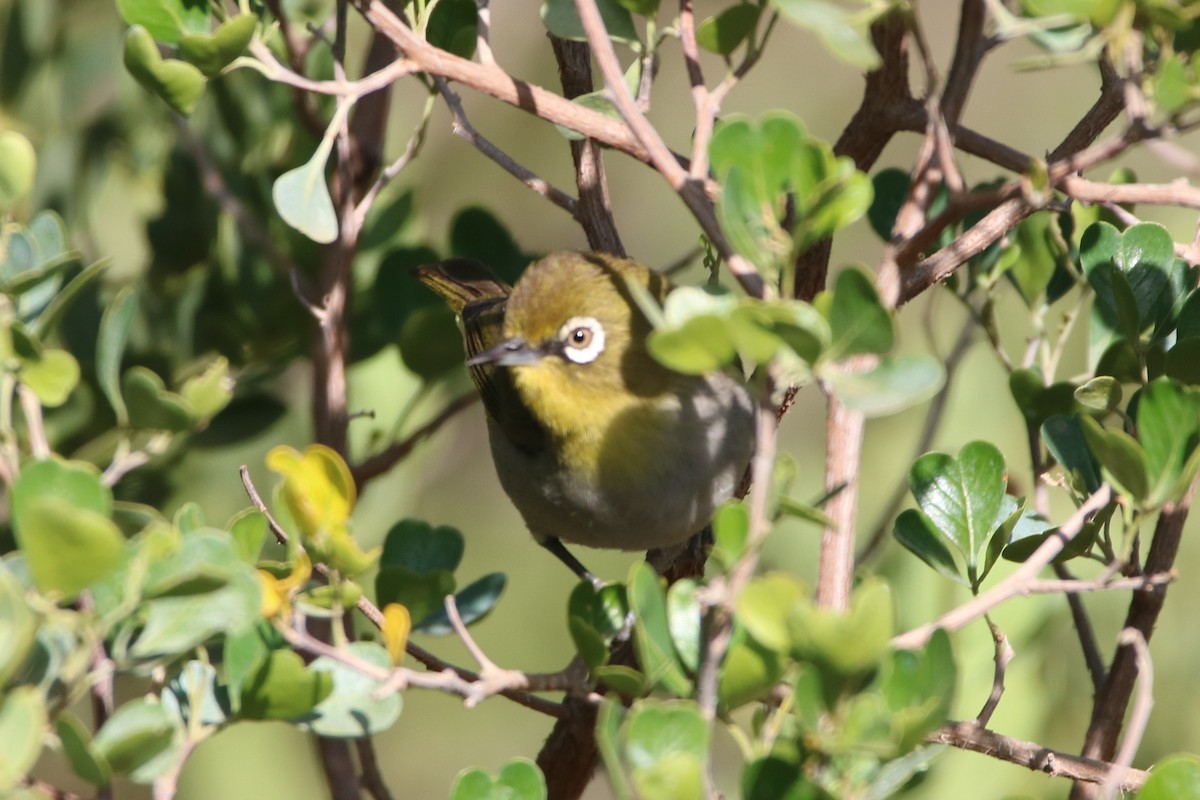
(462, 281)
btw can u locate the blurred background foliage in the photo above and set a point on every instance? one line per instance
(137, 185)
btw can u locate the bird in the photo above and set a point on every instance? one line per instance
(594, 441)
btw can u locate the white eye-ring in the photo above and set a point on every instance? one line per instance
(582, 339)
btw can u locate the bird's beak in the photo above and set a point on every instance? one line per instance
(509, 353)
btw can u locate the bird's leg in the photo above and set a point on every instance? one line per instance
(555, 546)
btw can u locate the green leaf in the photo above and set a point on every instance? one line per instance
(419, 546)
(766, 608)
(283, 688)
(622, 680)
(519, 779)
(701, 345)
(652, 633)
(561, 19)
(1168, 418)
(891, 191)
(430, 342)
(110, 346)
(62, 301)
(1039, 255)
(776, 778)
(1120, 457)
(86, 760)
(22, 721)
(60, 517)
(213, 52)
(919, 688)
(1173, 778)
(923, 539)
(177, 623)
(1102, 393)
(858, 321)
(666, 746)
(1183, 361)
(352, 710)
(452, 26)
(643, 8)
(608, 729)
(843, 646)
(473, 603)
(151, 405)
(1064, 439)
(249, 530)
(892, 385)
(422, 593)
(683, 619)
(178, 83)
(596, 101)
(595, 618)
(209, 392)
(731, 526)
(166, 20)
(18, 626)
(18, 165)
(134, 735)
(845, 33)
(1037, 401)
(302, 199)
(725, 32)
(963, 497)
(749, 671)
(245, 653)
(52, 377)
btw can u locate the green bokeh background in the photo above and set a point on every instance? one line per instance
(450, 479)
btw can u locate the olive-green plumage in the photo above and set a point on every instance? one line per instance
(594, 440)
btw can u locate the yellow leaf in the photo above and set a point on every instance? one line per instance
(397, 624)
(272, 597)
(317, 487)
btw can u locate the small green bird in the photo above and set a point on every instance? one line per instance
(594, 441)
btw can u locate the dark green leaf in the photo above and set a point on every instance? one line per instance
(776, 778)
(891, 190)
(422, 593)
(419, 546)
(1120, 456)
(561, 19)
(1183, 361)
(452, 27)
(914, 530)
(1064, 438)
(473, 603)
(1168, 418)
(725, 32)
(430, 342)
(652, 633)
(858, 321)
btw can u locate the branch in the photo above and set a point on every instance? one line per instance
(1139, 717)
(970, 736)
(1016, 583)
(594, 212)
(843, 455)
(1108, 713)
(378, 464)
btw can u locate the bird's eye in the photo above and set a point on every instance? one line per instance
(583, 339)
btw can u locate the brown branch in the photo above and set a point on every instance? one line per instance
(1108, 713)
(594, 212)
(1003, 654)
(843, 455)
(970, 736)
(1085, 632)
(887, 107)
(378, 464)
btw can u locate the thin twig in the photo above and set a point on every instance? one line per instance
(1039, 758)
(31, 409)
(1084, 630)
(463, 128)
(378, 464)
(1003, 655)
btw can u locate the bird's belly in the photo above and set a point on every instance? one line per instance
(648, 485)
